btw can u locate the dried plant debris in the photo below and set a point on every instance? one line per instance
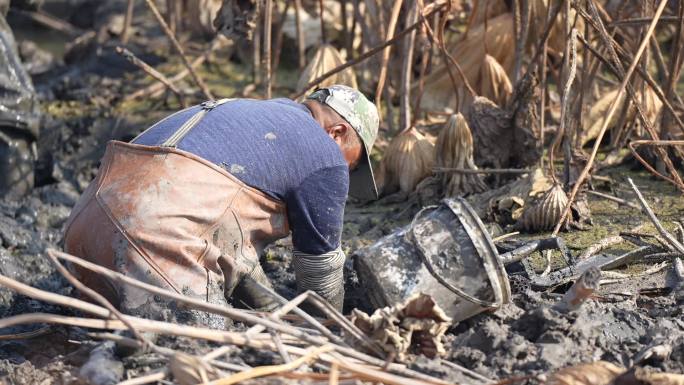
(325, 59)
(488, 9)
(523, 106)
(597, 113)
(237, 19)
(557, 37)
(500, 135)
(201, 14)
(639, 375)
(189, 370)
(470, 53)
(537, 21)
(506, 204)
(493, 82)
(416, 325)
(408, 159)
(454, 149)
(429, 191)
(545, 214)
(596, 373)
(491, 129)
(605, 373)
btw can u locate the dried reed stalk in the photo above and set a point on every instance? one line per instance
(154, 377)
(152, 72)
(617, 65)
(127, 21)
(394, 17)
(236, 314)
(232, 313)
(671, 240)
(268, 23)
(255, 341)
(522, 38)
(565, 101)
(263, 371)
(160, 19)
(96, 297)
(585, 172)
(628, 57)
(406, 70)
(301, 45)
(429, 10)
(674, 70)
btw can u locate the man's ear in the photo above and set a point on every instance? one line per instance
(338, 131)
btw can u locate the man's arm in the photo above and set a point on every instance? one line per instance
(316, 213)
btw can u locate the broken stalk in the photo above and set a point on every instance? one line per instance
(581, 290)
(659, 226)
(130, 56)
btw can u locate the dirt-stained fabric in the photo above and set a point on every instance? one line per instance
(171, 219)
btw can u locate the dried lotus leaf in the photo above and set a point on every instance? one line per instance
(470, 54)
(416, 323)
(325, 59)
(494, 83)
(488, 9)
(408, 159)
(596, 117)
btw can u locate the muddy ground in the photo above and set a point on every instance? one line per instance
(81, 94)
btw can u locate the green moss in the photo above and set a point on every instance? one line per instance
(610, 219)
(71, 109)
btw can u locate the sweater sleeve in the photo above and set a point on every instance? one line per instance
(316, 210)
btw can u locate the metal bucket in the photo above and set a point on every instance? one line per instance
(445, 252)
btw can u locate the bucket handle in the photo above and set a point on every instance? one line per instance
(431, 268)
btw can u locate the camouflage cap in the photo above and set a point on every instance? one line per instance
(362, 115)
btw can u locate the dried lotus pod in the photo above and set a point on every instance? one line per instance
(408, 159)
(325, 59)
(493, 82)
(454, 149)
(545, 214)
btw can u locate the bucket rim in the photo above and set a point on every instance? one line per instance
(484, 247)
(495, 269)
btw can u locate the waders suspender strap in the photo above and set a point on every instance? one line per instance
(206, 106)
(183, 130)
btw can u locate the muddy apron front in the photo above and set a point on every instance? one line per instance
(172, 219)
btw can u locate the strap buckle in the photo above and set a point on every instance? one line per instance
(209, 104)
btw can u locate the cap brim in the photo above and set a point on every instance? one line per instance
(361, 181)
